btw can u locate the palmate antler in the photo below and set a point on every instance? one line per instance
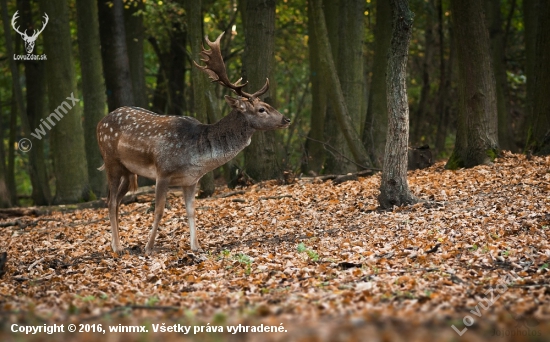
(215, 69)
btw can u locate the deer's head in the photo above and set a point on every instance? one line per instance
(259, 114)
(29, 40)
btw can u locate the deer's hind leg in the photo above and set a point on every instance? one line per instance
(119, 183)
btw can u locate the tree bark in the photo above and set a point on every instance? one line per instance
(114, 54)
(345, 25)
(134, 42)
(394, 189)
(35, 98)
(200, 83)
(5, 196)
(176, 76)
(67, 138)
(314, 156)
(262, 156)
(421, 119)
(37, 169)
(376, 124)
(538, 139)
(477, 135)
(335, 93)
(93, 89)
(498, 59)
(530, 18)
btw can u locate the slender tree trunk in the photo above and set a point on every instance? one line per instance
(114, 54)
(160, 95)
(262, 156)
(498, 59)
(539, 134)
(314, 156)
(36, 91)
(5, 196)
(394, 189)
(335, 94)
(67, 137)
(177, 70)
(445, 78)
(133, 21)
(376, 124)
(420, 123)
(93, 89)
(530, 20)
(10, 172)
(477, 134)
(200, 82)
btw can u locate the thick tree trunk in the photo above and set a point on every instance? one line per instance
(36, 91)
(314, 156)
(134, 43)
(67, 137)
(93, 89)
(114, 54)
(335, 93)
(200, 82)
(262, 156)
(37, 170)
(538, 139)
(376, 124)
(394, 189)
(498, 59)
(477, 135)
(345, 25)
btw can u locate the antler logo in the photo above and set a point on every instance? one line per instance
(29, 40)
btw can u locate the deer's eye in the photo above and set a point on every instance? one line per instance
(262, 110)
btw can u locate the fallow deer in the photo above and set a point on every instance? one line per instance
(176, 150)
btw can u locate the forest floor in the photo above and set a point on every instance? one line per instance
(316, 260)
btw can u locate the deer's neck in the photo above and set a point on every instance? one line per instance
(227, 137)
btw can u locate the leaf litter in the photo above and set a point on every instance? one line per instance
(320, 257)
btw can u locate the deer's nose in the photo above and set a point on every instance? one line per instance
(286, 120)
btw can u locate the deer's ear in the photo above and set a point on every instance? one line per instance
(235, 103)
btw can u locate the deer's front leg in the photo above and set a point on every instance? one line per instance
(189, 196)
(160, 199)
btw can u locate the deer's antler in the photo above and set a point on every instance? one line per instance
(215, 69)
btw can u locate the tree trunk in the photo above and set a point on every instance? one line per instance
(476, 136)
(114, 54)
(177, 70)
(67, 137)
(335, 93)
(345, 25)
(35, 98)
(498, 59)
(539, 134)
(420, 121)
(5, 196)
(134, 42)
(530, 19)
(394, 189)
(200, 82)
(376, 124)
(445, 81)
(262, 155)
(37, 172)
(93, 89)
(314, 156)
